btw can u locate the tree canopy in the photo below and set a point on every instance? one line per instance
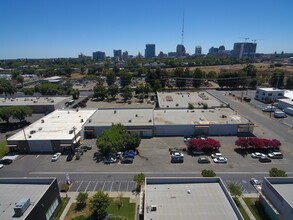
(274, 172)
(6, 87)
(207, 144)
(235, 190)
(208, 173)
(99, 204)
(253, 142)
(17, 112)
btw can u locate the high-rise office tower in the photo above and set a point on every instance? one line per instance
(197, 50)
(244, 50)
(125, 55)
(150, 50)
(180, 50)
(99, 55)
(117, 55)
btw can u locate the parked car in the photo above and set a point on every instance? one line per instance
(203, 137)
(220, 160)
(197, 152)
(69, 157)
(257, 155)
(254, 181)
(280, 114)
(203, 160)
(265, 160)
(109, 160)
(177, 159)
(177, 154)
(1, 166)
(275, 155)
(127, 160)
(187, 138)
(269, 109)
(216, 155)
(6, 161)
(56, 157)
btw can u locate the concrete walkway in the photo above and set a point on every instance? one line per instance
(245, 207)
(133, 198)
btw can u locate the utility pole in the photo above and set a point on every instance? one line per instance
(278, 78)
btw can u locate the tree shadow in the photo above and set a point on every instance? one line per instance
(80, 206)
(245, 134)
(6, 127)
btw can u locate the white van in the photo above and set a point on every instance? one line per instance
(280, 114)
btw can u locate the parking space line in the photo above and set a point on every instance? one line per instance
(127, 186)
(95, 186)
(111, 186)
(87, 186)
(119, 186)
(79, 186)
(103, 186)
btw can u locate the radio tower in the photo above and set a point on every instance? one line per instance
(182, 34)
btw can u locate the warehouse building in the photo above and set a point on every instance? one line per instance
(28, 198)
(58, 131)
(219, 121)
(182, 100)
(188, 199)
(285, 103)
(37, 104)
(277, 197)
(140, 121)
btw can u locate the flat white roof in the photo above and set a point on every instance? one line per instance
(288, 94)
(180, 99)
(32, 101)
(288, 101)
(127, 117)
(10, 194)
(286, 191)
(55, 126)
(198, 117)
(188, 201)
(270, 90)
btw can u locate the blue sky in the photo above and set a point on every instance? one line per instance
(64, 28)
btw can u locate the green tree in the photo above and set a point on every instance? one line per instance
(81, 199)
(250, 70)
(139, 179)
(5, 113)
(274, 172)
(211, 75)
(6, 87)
(157, 86)
(19, 79)
(99, 204)
(113, 91)
(111, 78)
(198, 77)
(289, 83)
(235, 190)
(127, 93)
(100, 92)
(28, 91)
(277, 79)
(125, 79)
(208, 173)
(20, 112)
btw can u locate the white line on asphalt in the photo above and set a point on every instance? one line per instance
(96, 186)
(127, 186)
(37, 155)
(103, 186)
(79, 186)
(87, 186)
(119, 186)
(111, 186)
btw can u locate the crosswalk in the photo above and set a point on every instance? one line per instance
(94, 185)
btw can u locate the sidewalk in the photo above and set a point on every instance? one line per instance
(245, 207)
(72, 195)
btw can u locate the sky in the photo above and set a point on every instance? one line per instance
(66, 28)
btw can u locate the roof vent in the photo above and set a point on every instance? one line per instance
(136, 115)
(81, 120)
(43, 121)
(129, 121)
(32, 131)
(77, 110)
(68, 112)
(21, 206)
(153, 208)
(29, 136)
(40, 128)
(114, 111)
(150, 120)
(70, 131)
(90, 120)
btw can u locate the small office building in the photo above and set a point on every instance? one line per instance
(28, 198)
(58, 131)
(267, 95)
(167, 198)
(277, 197)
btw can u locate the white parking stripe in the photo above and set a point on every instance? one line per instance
(111, 186)
(96, 186)
(127, 186)
(87, 186)
(119, 186)
(79, 186)
(103, 186)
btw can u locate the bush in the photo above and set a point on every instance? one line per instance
(208, 173)
(205, 106)
(81, 217)
(64, 187)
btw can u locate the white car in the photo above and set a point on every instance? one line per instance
(56, 157)
(216, 155)
(220, 160)
(255, 181)
(257, 155)
(1, 166)
(177, 154)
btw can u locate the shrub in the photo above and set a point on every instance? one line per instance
(64, 187)
(208, 173)
(205, 106)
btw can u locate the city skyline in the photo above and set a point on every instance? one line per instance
(52, 29)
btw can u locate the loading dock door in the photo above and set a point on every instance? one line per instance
(38, 146)
(202, 130)
(147, 134)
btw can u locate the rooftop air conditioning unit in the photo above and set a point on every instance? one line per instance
(43, 121)
(153, 208)
(21, 206)
(81, 120)
(70, 131)
(32, 131)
